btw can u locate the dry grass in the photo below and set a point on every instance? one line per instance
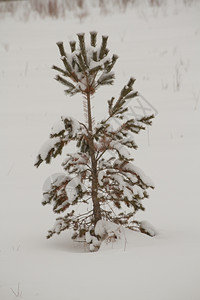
(24, 9)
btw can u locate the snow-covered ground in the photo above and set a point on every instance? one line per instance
(158, 46)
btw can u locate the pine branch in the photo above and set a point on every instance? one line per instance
(82, 47)
(93, 38)
(131, 95)
(94, 55)
(72, 46)
(61, 48)
(106, 78)
(95, 69)
(67, 64)
(81, 62)
(147, 120)
(103, 52)
(110, 66)
(65, 82)
(61, 71)
(58, 140)
(117, 110)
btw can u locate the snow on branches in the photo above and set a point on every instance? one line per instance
(101, 188)
(64, 131)
(86, 67)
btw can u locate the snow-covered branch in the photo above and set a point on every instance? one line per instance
(62, 132)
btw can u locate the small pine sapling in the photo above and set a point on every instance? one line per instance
(101, 188)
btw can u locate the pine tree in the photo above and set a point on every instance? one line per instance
(101, 184)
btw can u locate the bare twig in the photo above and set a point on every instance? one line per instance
(18, 293)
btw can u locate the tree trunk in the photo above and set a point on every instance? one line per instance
(96, 205)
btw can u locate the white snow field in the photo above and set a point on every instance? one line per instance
(160, 47)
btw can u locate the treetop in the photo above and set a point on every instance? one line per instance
(88, 64)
